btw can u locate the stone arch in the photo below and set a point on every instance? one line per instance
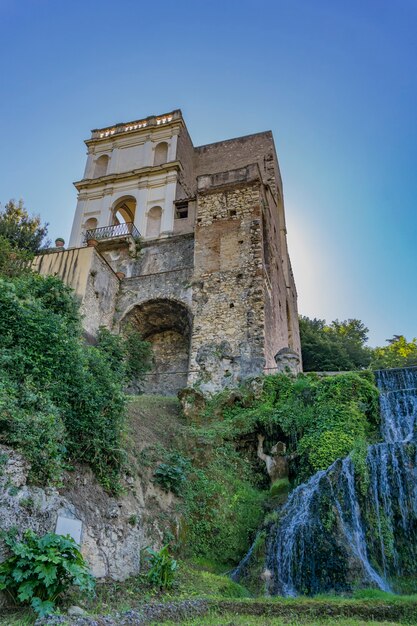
(167, 325)
(161, 153)
(100, 165)
(124, 210)
(153, 222)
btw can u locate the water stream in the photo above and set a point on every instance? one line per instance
(335, 534)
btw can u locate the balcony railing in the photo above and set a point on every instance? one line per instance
(112, 232)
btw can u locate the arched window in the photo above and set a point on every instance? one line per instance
(100, 166)
(161, 153)
(153, 224)
(124, 211)
(90, 224)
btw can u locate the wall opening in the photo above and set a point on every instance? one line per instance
(161, 153)
(100, 166)
(166, 324)
(153, 222)
(124, 211)
(90, 224)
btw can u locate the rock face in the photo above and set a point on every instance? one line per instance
(114, 530)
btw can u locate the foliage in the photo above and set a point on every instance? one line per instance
(339, 346)
(162, 569)
(40, 569)
(13, 261)
(222, 507)
(23, 231)
(172, 475)
(129, 356)
(59, 398)
(398, 353)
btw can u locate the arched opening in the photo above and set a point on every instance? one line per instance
(124, 211)
(90, 224)
(100, 166)
(166, 324)
(153, 222)
(161, 153)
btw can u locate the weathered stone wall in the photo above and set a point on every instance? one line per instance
(238, 152)
(228, 337)
(114, 530)
(99, 302)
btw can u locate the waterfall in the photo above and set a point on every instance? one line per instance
(332, 536)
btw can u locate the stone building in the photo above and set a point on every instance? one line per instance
(187, 244)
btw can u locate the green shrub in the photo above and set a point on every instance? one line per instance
(279, 487)
(162, 568)
(59, 398)
(171, 476)
(41, 569)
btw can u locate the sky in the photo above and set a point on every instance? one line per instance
(335, 81)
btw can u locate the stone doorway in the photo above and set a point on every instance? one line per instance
(166, 324)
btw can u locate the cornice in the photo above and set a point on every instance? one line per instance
(166, 168)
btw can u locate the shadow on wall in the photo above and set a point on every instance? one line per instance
(166, 324)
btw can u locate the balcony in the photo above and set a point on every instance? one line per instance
(125, 232)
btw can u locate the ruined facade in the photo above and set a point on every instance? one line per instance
(187, 244)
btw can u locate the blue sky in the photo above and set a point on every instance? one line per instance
(335, 81)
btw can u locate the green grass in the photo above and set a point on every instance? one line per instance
(230, 619)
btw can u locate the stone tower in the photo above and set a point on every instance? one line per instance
(188, 245)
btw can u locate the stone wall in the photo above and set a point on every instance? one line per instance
(228, 339)
(114, 530)
(99, 302)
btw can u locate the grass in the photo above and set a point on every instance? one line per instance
(231, 605)
(230, 619)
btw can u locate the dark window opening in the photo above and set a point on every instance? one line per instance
(181, 210)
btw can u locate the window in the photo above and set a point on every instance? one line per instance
(181, 210)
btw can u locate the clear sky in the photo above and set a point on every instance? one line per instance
(335, 81)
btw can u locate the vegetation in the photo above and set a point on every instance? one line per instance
(162, 568)
(59, 398)
(41, 569)
(398, 353)
(341, 346)
(212, 467)
(21, 230)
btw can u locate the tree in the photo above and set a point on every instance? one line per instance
(339, 346)
(23, 231)
(398, 353)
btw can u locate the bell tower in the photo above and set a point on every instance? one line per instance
(130, 179)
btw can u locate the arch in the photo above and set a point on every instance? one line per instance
(167, 325)
(91, 223)
(100, 165)
(153, 222)
(161, 153)
(124, 210)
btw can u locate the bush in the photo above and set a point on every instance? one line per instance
(171, 476)
(58, 397)
(162, 569)
(41, 569)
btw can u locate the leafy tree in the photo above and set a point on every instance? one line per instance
(398, 353)
(339, 346)
(23, 231)
(59, 398)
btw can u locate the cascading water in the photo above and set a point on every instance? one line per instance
(334, 533)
